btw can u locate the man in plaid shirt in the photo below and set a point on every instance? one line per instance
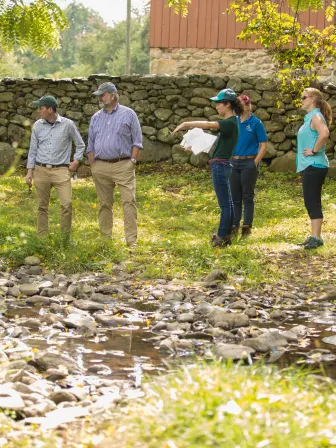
(49, 162)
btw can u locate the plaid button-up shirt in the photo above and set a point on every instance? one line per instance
(112, 135)
(52, 143)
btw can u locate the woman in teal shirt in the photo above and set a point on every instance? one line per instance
(311, 159)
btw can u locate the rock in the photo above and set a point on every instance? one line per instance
(262, 114)
(62, 396)
(186, 317)
(300, 330)
(77, 321)
(332, 169)
(284, 164)
(10, 399)
(234, 84)
(215, 275)
(267, 342)
(204, 92)
(290, 336)
(227, 321)
(278, 315)
(180, 155)
(177, 327)
(34, 270)
(50, 360)
(28, 290)
(174, 296)
(32, 261)
(163, 114)
(238, 305)
(38, 300)
(112, 321)
(329, 340)
(155, 151)
(292, 129)
(201, 159)
(51, 292)
(88, 305)
(233, 351)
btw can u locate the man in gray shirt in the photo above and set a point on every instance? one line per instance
(49, 162)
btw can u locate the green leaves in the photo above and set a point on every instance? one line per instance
(298, 51)
(35, 25)
(179, 6)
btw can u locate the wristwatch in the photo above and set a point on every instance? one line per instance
(314, 152)
(134, 161)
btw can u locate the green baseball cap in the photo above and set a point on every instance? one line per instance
(48, 101)
(224, 95)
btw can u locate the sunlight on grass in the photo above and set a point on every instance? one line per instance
(229, 406)
(178, 213)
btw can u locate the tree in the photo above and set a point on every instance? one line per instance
(31, 24)
(298, 51)
(10, 66)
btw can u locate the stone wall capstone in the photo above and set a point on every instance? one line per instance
(161, 103)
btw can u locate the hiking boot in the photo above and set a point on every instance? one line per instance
(314, 243)
(218, 241)
(234, 230)
(246, 230)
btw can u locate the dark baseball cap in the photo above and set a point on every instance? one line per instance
(105, 87)
(48, 101)
(224, 95)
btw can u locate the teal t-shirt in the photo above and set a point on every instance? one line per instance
(307, 138)
(227, 138)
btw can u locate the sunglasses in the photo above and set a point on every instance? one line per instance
(304, 97)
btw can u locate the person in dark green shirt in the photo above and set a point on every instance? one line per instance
(228, 106)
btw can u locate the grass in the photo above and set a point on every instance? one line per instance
(229, 406)
(178, 213)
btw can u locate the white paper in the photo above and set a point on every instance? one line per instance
(198, 141)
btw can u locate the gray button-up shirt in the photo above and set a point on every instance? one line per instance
(113, 135)
(52, 143)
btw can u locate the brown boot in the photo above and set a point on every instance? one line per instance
(234, 230)
(246, 230)
(217, 241)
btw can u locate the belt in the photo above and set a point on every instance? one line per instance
(244, 157)
(48, 165)
(114, 160)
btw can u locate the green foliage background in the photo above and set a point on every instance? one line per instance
(88, 46)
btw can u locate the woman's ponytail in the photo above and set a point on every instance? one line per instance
(324, 107)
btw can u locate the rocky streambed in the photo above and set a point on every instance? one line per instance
(77, 346)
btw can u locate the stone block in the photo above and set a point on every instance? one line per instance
(180, 155)
(7, 154)
(284, 164)
(155, 151)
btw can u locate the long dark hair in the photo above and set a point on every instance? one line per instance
(235, 105)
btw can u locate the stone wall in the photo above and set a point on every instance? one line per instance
(217, 62)
(161, 103)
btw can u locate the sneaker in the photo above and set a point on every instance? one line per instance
(246, 230)
(306, 241)
(314, 243)
(218, 241)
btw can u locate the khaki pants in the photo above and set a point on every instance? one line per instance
(106, 176)
(44, 179)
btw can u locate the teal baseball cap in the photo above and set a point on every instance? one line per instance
(224, 95)
(47, 100)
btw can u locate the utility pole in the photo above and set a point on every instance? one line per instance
(128, 37)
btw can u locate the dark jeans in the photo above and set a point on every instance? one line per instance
(312, 181)
(220, 179)
(242, 181)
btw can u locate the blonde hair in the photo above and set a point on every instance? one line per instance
(324, 107)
